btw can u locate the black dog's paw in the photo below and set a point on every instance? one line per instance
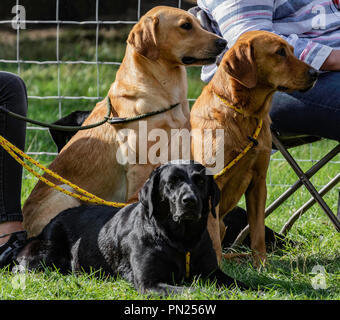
(223, 280)
(242, 286)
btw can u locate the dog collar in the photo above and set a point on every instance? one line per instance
(187, 264)
(225, 102)
(117, 120)
(253, 140)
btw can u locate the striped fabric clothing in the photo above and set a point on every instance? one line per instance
(312, 27)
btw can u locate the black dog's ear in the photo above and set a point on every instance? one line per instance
(149, 194)
(214, 195)
(74, 119)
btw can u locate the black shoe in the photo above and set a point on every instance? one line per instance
(9, 250)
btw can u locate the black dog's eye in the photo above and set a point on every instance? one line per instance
(199, 180)
(186, 26)
(281, 52)
(173, 180)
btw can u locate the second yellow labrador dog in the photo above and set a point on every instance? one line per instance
(235, 101)
(151, 77)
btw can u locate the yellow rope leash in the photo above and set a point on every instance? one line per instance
(86, 197)
(224, 101)
(247, 148)
(91, 198)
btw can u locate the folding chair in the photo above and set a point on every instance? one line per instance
(283, 143)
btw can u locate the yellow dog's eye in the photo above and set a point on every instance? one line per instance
(186, 26)
(281, 52)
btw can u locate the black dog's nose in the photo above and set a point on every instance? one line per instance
(313, 73)
(221, 44)
(189, 200)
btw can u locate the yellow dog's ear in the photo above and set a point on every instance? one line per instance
(143, 37)
(240, 64)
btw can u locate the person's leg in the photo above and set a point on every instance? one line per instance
(14, 97)
(315, 112)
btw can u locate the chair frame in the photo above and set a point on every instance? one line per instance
(303, 179)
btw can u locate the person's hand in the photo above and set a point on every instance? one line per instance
(332, 63)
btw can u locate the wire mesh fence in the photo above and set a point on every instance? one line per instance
(19, 23)
(59, 97)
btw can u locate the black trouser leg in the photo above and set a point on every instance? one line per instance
(13, 96)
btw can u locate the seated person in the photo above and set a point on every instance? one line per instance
(313, 29)
(13, 96)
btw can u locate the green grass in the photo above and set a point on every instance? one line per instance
(287, 274)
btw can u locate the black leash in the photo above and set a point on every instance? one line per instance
(140, 116)
(107, 118)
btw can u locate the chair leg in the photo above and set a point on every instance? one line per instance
(338, 215)
(304, 179)
(310, 173)
(240, 238)
(288, 225)
(314, 169)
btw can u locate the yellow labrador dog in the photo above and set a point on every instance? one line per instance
(259, 64)
(151, 77)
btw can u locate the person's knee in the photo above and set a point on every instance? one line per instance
(14, 92)
(16, 83)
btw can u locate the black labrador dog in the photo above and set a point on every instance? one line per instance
(155, 243)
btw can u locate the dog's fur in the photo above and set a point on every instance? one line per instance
(151, 77)
(259, 64)
(146, 242)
